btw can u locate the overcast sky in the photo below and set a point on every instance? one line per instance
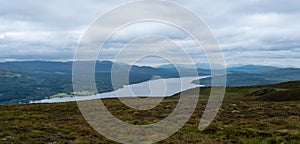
(264, 32)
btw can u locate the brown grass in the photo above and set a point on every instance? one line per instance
(240, 120)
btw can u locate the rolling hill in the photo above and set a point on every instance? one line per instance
(257, 77)
(243, 118)
(21, 82)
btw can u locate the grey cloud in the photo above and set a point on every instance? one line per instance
(248, 31)
(266, 6)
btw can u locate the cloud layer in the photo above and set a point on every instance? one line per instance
(261, 32)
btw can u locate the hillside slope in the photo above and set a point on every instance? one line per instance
(243, 118)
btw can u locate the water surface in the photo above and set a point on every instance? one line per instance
(151, 88)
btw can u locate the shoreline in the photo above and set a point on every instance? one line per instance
(139, 88)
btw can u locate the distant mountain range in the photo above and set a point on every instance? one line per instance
(250, 75)
(252, 69)
(34, 80)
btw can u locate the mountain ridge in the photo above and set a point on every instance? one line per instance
(34, 80)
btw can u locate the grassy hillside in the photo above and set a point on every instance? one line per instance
(248, 115)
